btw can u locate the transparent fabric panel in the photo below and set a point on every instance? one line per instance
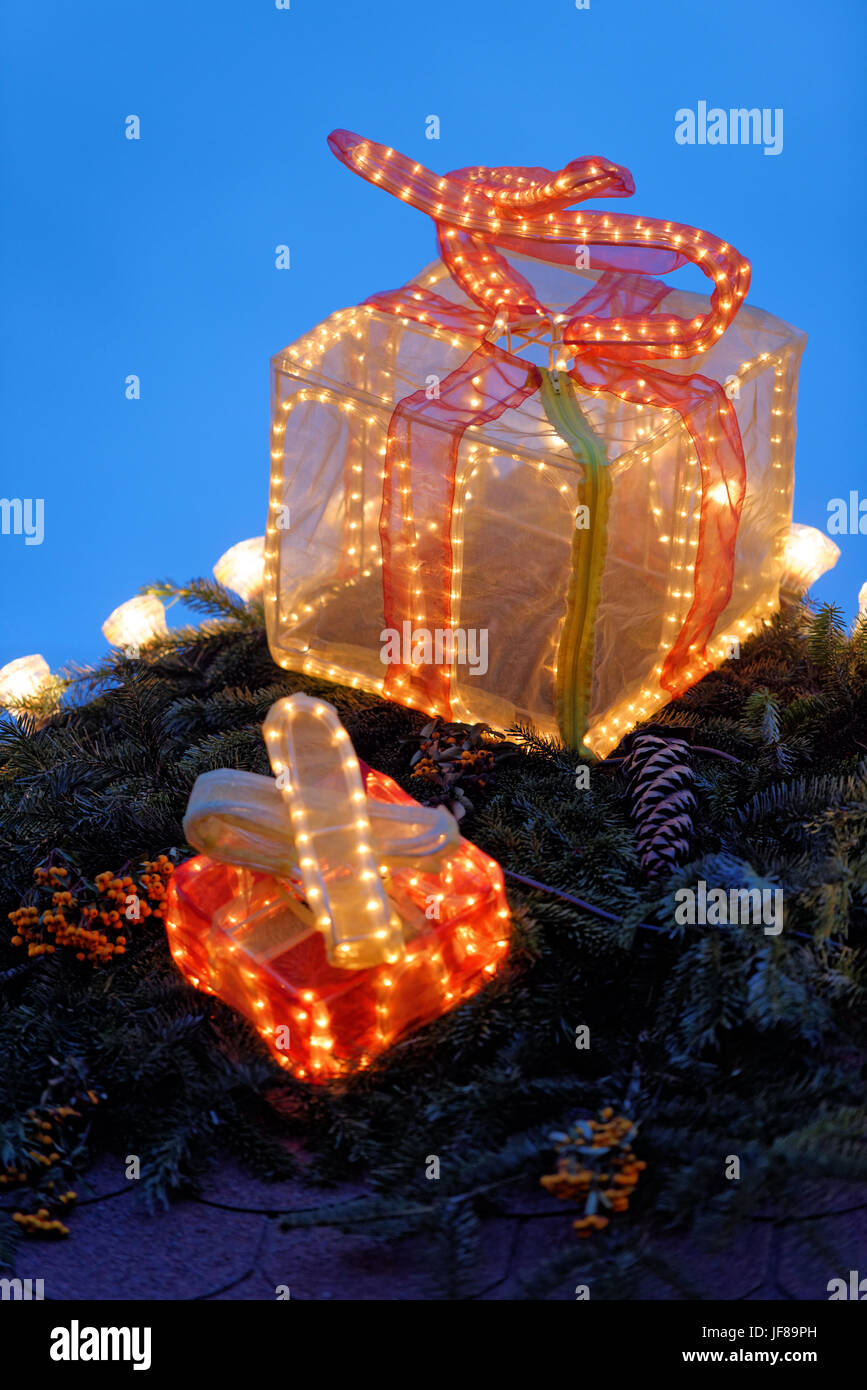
(513, 520)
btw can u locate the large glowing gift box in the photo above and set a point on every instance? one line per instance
(487, 479)
(336, 916)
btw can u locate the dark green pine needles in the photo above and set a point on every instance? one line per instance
(718, 1040)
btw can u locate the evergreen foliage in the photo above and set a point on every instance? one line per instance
(717, 1040)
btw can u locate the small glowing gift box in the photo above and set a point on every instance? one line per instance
(335, 915)
(488, 499)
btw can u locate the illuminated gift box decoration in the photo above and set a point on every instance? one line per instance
(494, 455)
(335, 916)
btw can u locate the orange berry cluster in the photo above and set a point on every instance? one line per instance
(40, 1223)
(596, 1166)
(46, 1127)
(155, 879)
(84, 927)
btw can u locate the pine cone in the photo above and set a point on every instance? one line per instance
(660, 790)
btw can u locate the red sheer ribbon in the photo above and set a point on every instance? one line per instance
(614, 331)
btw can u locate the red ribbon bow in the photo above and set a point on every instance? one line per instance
(616, 330)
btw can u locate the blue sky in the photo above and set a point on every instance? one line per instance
(156, 257)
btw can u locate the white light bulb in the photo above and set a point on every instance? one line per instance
(22, 678)
(809, 554)
(719, 493)
(136, 622)
(242, 568)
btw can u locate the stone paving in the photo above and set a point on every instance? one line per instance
(205, 1248)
